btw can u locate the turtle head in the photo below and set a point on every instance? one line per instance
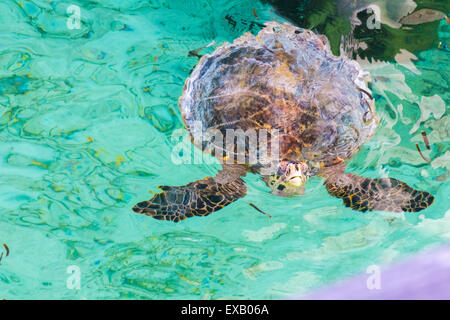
(289, 179)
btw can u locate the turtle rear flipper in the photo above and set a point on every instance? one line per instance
(199, 198)
(384, 194)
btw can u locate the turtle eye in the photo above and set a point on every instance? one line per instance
(281, 187)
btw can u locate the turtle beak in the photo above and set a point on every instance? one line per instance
(296, 181)
(294, 173)
(290, 179)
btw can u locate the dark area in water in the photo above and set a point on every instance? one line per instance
(319, 15)
(323, 16)
(385, 43)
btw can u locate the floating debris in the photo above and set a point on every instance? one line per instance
(425, 140)
(259, 210)
(254, 13)
(7, 252)
(421, 154)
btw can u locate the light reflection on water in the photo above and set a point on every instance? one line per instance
(85, 122)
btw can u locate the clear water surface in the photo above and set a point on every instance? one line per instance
(86, 117)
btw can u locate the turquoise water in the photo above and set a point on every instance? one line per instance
(86, 117)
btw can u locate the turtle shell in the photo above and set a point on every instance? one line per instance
(283, 79)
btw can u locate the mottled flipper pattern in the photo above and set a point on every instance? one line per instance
(384, 194)
(199, 198)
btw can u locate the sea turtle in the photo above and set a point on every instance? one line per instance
(285, 78)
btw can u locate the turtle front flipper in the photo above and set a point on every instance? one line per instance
(199, 198)
(384, 194)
